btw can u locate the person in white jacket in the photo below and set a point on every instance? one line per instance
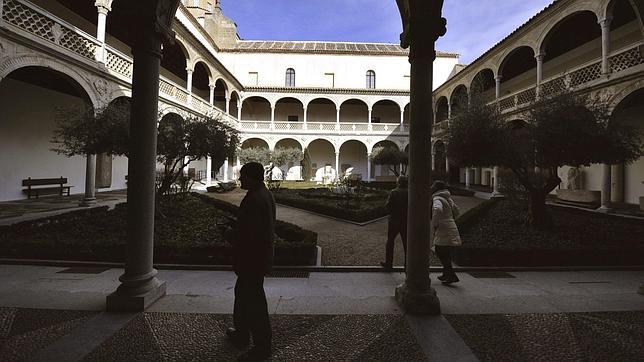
(444, 230)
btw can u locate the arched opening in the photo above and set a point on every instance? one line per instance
(382, 172)
(354, 111)
(353, 154)
(625, 28)
(292, 169)
(518, 70)
(221, 89)
(483, 86)
(233, 108)
(256, 109)
(289, 109)
(321, 110)
(201, 81)
(627, 179)
(442, 110)
(322, 154)
(406, 114)
(385, 111)
(174, 63)
(31, 100)
(573, 41)
(459, 100)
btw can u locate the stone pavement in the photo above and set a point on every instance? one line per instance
(315, 317)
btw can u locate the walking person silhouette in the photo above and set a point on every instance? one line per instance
(253, 238)
(445, 231)
(397, 206)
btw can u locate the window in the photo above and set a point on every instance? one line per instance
(253, 78)
(290, 77)
(329, 79)
(371, 79)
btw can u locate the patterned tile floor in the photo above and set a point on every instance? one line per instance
(598, 336)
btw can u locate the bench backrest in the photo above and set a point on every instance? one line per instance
(44, 181)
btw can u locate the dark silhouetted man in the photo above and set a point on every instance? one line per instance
(397, 206)
(253, 239)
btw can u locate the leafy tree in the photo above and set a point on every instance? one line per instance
(391, 157)
(306, 165)
(181, 141)
(254, 154)
(82, 131)
(283, 155)
(566, 129)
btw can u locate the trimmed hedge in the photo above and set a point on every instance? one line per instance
(325, 203)
(188, 234)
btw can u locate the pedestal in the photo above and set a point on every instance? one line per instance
(122, 302)
(418, 303)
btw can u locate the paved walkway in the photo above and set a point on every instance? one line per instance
(315, 318)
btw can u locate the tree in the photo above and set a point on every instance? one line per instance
(181, 141)
(391, 157)
(254, 154)
(565, 129)
(306, 165)
(82, 131)
(283, 155)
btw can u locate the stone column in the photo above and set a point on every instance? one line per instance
(228, 105)
(211, 96)
(539, 57)
(304, 126)
(496, 192)
(103, 7)
(415, 295)
(226, 169)
(90, 181)
(477, 176)
(368, 166)
(606, 188)
(433, 162)
(337, 165)
(468, 180)
(208, 171)
(239, 110)
(617, 183)
(139, 286)
(449, 110)
(189, 85)
(369, 118)
(402, 116)
(337, 118)
(605, 25)
(447, 166)
(498, 86)
(272, 117)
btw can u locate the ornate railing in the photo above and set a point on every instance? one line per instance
(323, 127)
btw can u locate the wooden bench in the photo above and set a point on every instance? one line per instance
(60, 189)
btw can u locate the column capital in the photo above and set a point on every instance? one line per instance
(605, 22)
(498, 78)
(211, 86)
(540, 56)
(103, 6)
(422, 26)
(189, 70)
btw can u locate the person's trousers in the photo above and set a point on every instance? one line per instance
(392, 231)
(444, 253)
(250, 313)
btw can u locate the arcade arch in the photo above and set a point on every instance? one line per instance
(322, 154)
(354, 111)
(353, 153)
(289, 109)
(518, 70)
(385, 111)
(324, 110)
(256, 108)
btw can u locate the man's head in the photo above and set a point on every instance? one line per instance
(401, 181)
(251, 175)
(438, 185)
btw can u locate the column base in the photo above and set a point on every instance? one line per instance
(87, 201)
(413, 302)
(604, 209)
(119, 301)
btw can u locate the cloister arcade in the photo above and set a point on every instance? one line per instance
(591, 47)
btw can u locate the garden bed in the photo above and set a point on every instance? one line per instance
(186, 234)
(498, 237)
(322, 201)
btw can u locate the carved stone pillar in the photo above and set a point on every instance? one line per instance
(226, 169)
(423, 24)
(539, 57)
(239, 110)
(189, 71)
(228, 105)
(498, 86)
(337, 118)
(139, 286)
(208, 171)
(272, 117)
(605, 25)
(103, 7)
(606, 188)
(304, 126)
(369, 118)
(90, 181)
(468, 178)
(337, 165)
(211, 95)
(368, 179)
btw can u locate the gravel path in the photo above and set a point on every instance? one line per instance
(344, 243)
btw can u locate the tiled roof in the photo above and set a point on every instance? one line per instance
(269, 46)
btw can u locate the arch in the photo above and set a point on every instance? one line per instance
(174, 63)
(385, 111)
(256, 108)
(233, 108)
(442, 110)
(483, 84)
(290, 140)
(254, 141)
(290, 78)
(371, 79)
(12, 64)
(406, 114)
(385, 143)
(320, 156)
(201, 80)
(459, 99)
(623, 12)
(354, 110)
(515, 67)
(289, 109)
(220, 94)
(353, 153)
(618, 97)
